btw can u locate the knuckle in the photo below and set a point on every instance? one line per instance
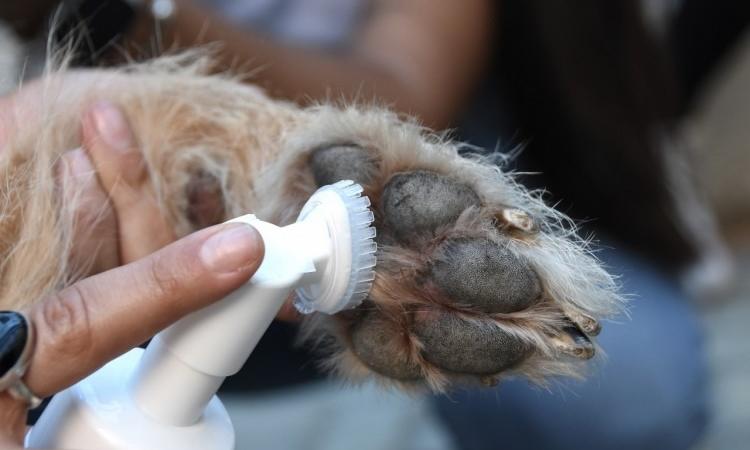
(139, 173)
(125, 195)
(163, 278)
(66, 324)
(132, 169)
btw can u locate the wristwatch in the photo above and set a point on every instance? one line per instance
(95, 26)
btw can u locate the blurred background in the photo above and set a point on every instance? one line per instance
(632, 115)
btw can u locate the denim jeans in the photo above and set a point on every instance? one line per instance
(650, 392)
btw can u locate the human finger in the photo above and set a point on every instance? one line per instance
(95, 245)
(122, 171)
(88, 324)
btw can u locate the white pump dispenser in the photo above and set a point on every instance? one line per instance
(163, 397)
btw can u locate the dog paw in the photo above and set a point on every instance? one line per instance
(476, 278)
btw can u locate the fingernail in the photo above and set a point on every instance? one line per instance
(78, 164)
(111, 125)
(232, 249)
(74, 171)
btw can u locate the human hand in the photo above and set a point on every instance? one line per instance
(104, 183)
(82, 327)
(119, 218)
(118, 196)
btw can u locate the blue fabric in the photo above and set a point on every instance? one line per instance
(650, 392)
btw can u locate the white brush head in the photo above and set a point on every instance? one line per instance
(350, 268)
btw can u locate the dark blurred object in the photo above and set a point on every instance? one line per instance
(94, 26)
(592, 91)
(276, 363)
(701, 35)
(101, 23)
(27, 17)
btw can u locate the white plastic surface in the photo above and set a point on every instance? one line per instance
(98, 413)
(170, 391)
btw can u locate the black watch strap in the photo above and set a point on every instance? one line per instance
(94, 27)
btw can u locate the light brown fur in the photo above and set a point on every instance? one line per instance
(257, 150)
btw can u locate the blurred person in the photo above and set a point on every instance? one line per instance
(591, 119)
(595, 100)
(419, 56)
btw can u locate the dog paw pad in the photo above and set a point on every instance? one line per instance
(461, 346)
(417, 203)
(481, 273)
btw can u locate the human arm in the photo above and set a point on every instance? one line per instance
(421, 57)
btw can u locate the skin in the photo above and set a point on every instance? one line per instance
(110, 169)
(122, 173)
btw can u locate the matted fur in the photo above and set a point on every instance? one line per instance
(191, 126)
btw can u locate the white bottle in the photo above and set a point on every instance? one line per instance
(164, 397)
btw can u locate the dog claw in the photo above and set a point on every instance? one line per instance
(518, 219)
(586, 323)
(574, 343)
(489, 381)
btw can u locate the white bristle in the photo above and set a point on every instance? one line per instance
(362, 249)
(363, 244)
